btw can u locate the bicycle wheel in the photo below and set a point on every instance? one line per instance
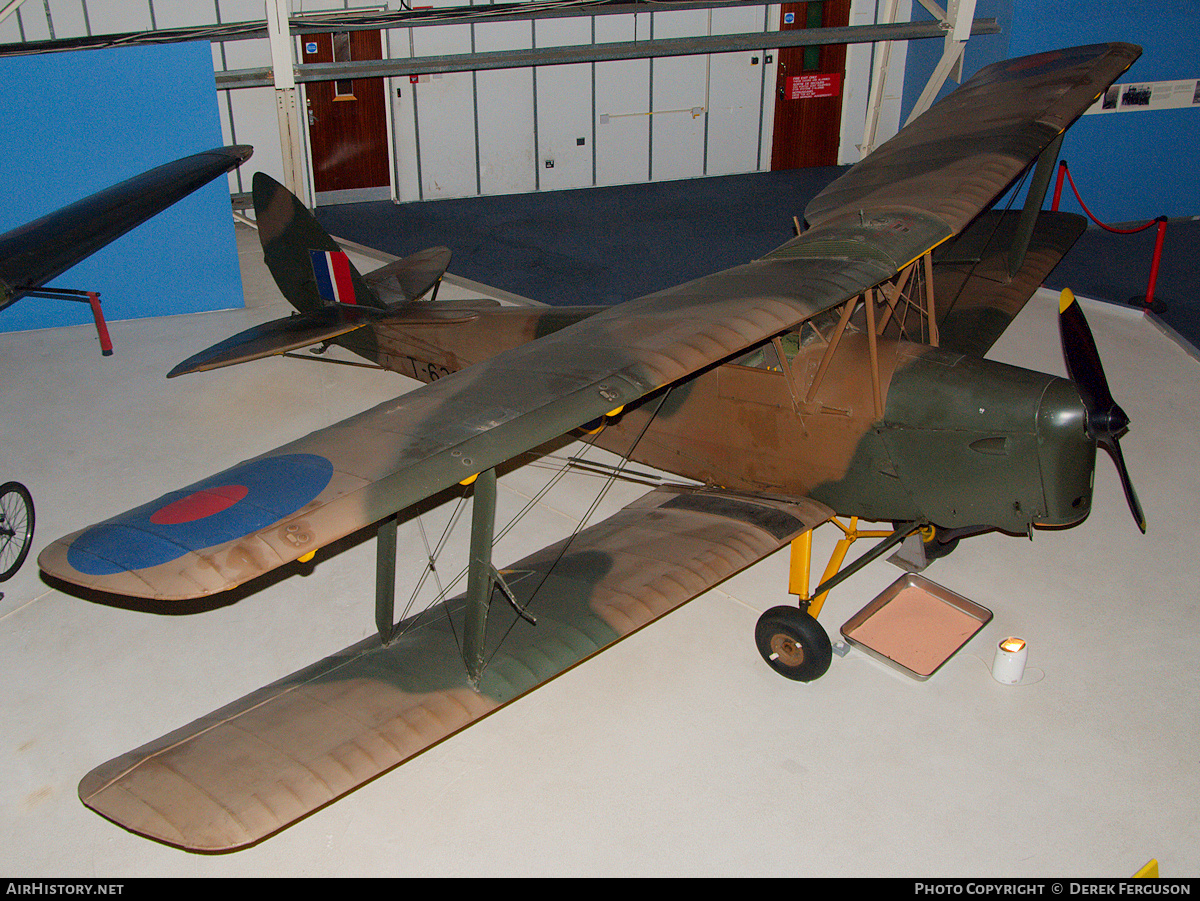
(16, 527)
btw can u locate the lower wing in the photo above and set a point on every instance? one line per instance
(252, 768)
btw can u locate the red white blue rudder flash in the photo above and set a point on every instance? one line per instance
(331, 269)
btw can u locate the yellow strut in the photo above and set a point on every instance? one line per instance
(798, 573)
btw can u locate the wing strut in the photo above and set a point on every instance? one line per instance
(480, 573)
(1033, 204)
(482, 577)
(385, 579)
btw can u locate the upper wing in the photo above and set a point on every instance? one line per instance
(956, 159)
(260, 763)
(279, 507)
(273, 509)
(34, 253)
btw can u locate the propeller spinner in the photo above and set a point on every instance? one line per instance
(1106, 421)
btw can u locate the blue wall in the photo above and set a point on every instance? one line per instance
(1128, 166)
(74, 123)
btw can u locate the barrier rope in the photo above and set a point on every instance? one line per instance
(1161, 222)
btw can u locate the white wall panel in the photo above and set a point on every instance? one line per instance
(67, 17)
(622, 106)
(623, 122)
(734, 112)
(10, 30)
(183, 13)
(445, 118)
(33, 24)
(118, 16)
(508, 157)
(564, 109)
(679, 101)
(735, 96)
(402, 92)
(255, 123)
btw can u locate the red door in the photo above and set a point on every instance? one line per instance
(808, 90)
(347, 123)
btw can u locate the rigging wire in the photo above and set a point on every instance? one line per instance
(444, 591)
(584, 520)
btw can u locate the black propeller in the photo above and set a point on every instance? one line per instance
(1106, 421)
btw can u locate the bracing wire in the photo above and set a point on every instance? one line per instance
(433, 555)
(582, 524)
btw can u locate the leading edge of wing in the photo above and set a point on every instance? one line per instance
(243, 772)
(962, 153)
(276, 508)
(34, 253)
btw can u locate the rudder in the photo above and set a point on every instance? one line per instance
(300, 253)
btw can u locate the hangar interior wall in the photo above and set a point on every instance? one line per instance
(466, 134)
(494, 132)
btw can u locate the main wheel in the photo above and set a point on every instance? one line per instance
(16, 527)
(935, 547)
(931, 541)
(793, 644)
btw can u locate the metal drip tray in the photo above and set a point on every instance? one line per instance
(915, 625)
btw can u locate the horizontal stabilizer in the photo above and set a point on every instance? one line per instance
(411, 277)
(277, 337)
(322, 324)
(258, 765)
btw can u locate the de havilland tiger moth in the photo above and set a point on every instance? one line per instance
(841, 375)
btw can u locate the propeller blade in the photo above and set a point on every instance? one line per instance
(1106, 421)
(1079, 349)
(1135, 506)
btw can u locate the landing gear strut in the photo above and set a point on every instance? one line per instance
(790, 639)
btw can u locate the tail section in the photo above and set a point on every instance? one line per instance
(319, 280)
(308, 266)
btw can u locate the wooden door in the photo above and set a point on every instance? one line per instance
(347, 122)
(808, 89)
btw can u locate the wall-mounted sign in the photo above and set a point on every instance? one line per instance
(1148, 95)
(805, 87)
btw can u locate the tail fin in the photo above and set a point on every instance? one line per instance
(308, 266)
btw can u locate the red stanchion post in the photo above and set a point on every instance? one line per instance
(1149, 302)
(1058, 185)
(1156, 306)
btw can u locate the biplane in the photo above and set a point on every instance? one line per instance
(841, 375)
(33, 254)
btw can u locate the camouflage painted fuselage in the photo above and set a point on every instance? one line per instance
(961, 442)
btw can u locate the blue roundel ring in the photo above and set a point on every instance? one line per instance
(226, 507)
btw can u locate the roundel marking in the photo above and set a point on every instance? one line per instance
(199, 505)
(224, 508)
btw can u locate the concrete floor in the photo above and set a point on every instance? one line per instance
(678, 752)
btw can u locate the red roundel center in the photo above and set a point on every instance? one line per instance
(208, 502)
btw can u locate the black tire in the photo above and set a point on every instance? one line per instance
(935, 548)
(16, 527)
(793, 644)
(931, 541)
